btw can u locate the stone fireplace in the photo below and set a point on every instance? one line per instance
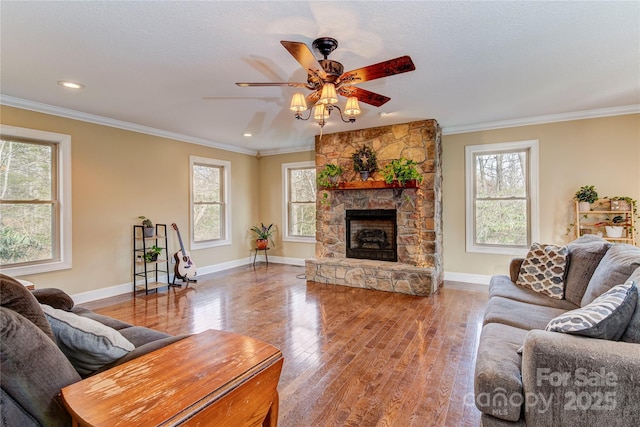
(371, 234)
(378, 236)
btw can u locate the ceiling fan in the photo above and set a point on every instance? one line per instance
(326, 78)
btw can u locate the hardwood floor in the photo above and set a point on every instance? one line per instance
(353, 357)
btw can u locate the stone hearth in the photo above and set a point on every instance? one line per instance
(418, 270)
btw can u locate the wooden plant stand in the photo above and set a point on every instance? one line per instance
(212, 378)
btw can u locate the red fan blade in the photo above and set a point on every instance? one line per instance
(292, 84)
(363, 95)
(303, 55)
(391, 67)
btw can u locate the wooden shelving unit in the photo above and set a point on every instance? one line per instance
(589, 222)
(150, 271)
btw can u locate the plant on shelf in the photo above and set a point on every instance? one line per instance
(263, 235)
(149, 230)
(586, 195)
(365, 161)
(329, 175)
(401, 170)
(626, 200)
(152, 254)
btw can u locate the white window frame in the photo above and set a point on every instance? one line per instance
(63, 215)
(285, 201)
(533, 185)
(226, 172)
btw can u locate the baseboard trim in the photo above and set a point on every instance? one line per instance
(124, 288)
(479, 279)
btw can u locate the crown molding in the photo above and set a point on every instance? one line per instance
(538, 120)
(446, 130)
(120, 124)
(298, 149)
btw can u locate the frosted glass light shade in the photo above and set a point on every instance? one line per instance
(298, 103)
(320, 112)
(352, 108)
(328, 95)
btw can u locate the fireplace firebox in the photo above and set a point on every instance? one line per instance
(371, 234)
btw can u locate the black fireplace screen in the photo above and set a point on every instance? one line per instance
(371, 234)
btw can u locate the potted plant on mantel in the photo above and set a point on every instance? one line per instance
(365, 162)
(585, 196)
(401, 170)
(263, 235)
(329, 175)
(149, 229)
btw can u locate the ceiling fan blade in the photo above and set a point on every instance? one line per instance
(364, 95)
(303, 55)
(312, 98)
(391, 67)
(291, 84)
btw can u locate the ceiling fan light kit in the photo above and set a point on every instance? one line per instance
(327, 80)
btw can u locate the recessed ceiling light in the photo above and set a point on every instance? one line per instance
(70, 85)
(247, 134)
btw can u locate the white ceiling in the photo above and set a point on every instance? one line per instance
(169, 67)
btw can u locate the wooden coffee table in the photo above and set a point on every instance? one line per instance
(212, 378)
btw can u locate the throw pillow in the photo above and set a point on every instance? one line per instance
(88, 344)
(54, 297)
(616, 267)
(15, 296)
(632, 334)
(543, 270)
(606, 317)
(585, 254)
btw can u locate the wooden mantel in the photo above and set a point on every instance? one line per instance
(372, 185)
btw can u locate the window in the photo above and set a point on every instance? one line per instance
(210, 210)
(299, 184)
(35, 201)
(502, 197)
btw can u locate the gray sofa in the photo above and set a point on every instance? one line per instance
(37, 361)
(526, 375)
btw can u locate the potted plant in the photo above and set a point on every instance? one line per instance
(263, 235)
(149, 230)
(328, 176)
(614, 227)
(401, 170)
(365, 162)
(623, 203)
(152, 254)
(585, 196)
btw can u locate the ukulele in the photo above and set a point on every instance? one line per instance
(185, 268)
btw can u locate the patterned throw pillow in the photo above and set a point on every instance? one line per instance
(606, 317)
(543, 270)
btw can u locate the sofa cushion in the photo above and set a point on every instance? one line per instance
(15, 296)
(543, 270)
(615, 267)
(33, 372)
(585, 254)
(498, 383)
(519, 314)
(88, 344)
(56, 298)
(632, 333)
(105, 320)
(502, 286)
(139, 335)
(606, 317)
